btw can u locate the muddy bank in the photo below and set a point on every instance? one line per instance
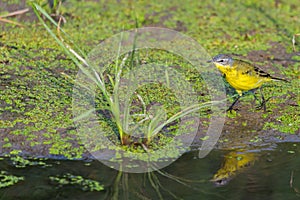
(36, 77)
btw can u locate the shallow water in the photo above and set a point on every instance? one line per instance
(187, 178)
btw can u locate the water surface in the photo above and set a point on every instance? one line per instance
(274, 175)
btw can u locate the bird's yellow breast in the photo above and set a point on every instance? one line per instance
(242, 78)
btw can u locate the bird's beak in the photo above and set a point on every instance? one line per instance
(209, 61)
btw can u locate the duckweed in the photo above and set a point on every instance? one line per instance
(7, 180)
(37, 78)
(79, 181)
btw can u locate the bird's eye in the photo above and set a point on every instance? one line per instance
(221, 60)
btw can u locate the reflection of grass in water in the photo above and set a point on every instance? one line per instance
(151, 187)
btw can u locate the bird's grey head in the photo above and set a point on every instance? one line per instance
(223, 59)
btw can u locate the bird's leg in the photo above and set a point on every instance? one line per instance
(254, 95)
(263, 100)
(261, 103)
(231, 107)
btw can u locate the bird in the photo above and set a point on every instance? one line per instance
(243, 76)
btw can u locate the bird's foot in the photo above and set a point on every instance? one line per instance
(263, 104)
(230, 109)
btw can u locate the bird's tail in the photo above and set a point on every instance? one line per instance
(279, 79)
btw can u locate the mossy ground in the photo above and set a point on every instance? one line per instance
(36, 77)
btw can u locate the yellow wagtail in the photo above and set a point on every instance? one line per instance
(243, 76)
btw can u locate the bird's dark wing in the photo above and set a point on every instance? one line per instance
(250, 69)
(261, 72)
